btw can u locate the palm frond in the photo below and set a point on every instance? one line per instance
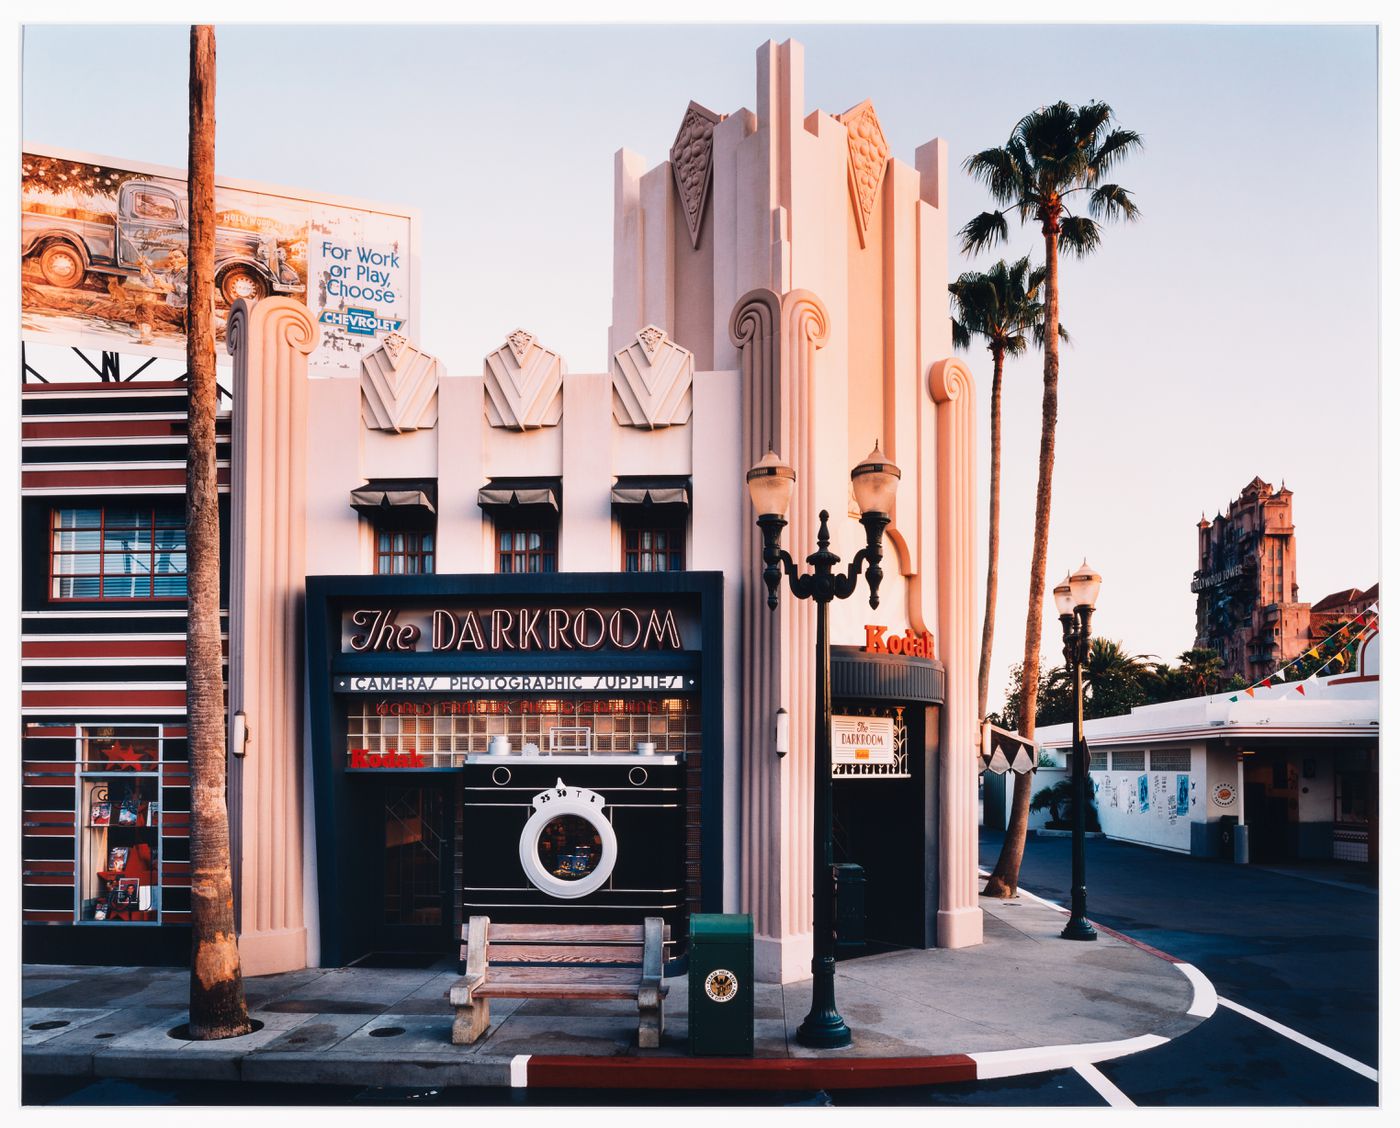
(1015, 345)
(962, 337)
(1079, 235)
(982, 231)
(1039, 331)
(1112, 201)
(1035, 281)
(998, 170)
(1112, 149)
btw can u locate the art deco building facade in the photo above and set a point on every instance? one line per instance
(452, 593)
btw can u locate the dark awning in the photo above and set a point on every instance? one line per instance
(401, 500)
(502, 494)
(651, 491)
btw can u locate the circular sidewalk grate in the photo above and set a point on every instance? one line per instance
(387, 1032)
(52, 1024)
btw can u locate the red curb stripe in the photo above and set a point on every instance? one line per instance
(579, 1072)
(1161, 955)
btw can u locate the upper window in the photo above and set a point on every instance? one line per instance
(403, 552)
(653, 545)
(117, 554)
(529, 547)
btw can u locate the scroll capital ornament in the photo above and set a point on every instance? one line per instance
(652, 380)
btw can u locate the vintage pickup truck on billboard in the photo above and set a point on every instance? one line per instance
(104, 259)
(149, 235)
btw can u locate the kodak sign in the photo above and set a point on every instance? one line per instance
(878, 641)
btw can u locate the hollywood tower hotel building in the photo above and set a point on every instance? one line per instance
(447, 592)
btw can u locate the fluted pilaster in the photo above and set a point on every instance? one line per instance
(952, 389)
(269, 342)
(753, 328)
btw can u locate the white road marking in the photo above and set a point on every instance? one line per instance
(1204, 1001)
(1042, 1059)
(1303, 1040)
(1111, 1093)
(517, 1071)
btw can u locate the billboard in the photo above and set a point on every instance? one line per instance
(104, 242)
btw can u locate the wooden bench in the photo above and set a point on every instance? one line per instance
(551, 961)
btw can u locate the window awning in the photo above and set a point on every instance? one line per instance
(378, 498)
(656, 491)
(499, 495)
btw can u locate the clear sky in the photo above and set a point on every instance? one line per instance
(1232, 332)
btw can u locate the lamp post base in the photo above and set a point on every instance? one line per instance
(1079, 929)
(824, 1032)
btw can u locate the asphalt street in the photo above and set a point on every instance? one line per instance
(1297, 946)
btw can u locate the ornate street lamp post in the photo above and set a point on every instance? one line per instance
(1075, 597)
(770, 488)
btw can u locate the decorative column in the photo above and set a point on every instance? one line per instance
(951, 387)
(269, 342)
(778, 340)
(805, 328)
(753, 328)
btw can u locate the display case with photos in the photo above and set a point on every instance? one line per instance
(119, 805)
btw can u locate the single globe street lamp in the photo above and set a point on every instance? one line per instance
(873, 482)
(1075, 597)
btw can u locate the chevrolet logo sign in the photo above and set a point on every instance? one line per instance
(363, 322)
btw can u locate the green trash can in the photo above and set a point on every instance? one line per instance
(721, 984)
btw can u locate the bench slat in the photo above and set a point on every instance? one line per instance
(566, 933)
(499, 954)
(566, 974)
(556, 991)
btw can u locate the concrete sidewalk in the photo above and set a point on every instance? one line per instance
(1022, 1002)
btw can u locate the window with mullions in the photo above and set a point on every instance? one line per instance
(526, 548)
(403, 552)
(653, 546)
(117, 554)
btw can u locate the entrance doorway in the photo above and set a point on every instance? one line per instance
(879, 823)
(413, 903)
(1271, 807)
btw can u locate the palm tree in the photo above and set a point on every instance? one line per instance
(1000, 307)
(1203, 670)
(217, 1005)
(1114, 679)
(1053, 153)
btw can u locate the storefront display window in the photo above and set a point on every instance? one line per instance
(441, 733)
(119, 813)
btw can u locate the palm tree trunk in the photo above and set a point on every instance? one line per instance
(217, 1006)
(989, 615)
(1006, 874)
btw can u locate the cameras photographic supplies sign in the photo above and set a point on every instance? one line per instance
(862, 740)
(104, 246)
(515, 683)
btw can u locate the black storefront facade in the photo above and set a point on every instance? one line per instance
(886, 814)
(542, 748)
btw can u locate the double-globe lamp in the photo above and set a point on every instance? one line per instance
(1075, 597)
(873, 481)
